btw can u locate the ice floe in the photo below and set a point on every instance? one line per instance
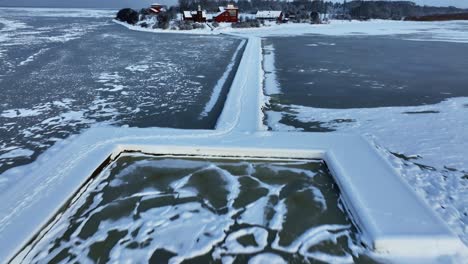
(17, 153)
(271, 83)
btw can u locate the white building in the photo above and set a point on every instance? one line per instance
(269, 15)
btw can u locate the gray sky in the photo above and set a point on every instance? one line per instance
(143, 3)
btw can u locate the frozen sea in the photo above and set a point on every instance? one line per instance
(368, 71)
(62, 71)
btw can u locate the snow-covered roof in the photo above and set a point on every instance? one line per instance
(187, 14)
(190, 14)
(156, 4)
(268, 14)
(221, 10)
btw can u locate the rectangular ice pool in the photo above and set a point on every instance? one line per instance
(160, 209)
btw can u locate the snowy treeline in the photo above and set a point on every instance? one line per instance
(301, 9)
(394, 10)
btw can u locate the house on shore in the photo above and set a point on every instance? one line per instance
(270, 16)
(229, 14)
(195, 16)
(156, 8)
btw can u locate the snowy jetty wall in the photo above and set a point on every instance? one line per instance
(394, 222)
(243, 108)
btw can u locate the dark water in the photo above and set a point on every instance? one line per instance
(64, 71)
(368, 71)
(153, 210)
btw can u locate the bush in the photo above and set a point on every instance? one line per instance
(145, 11)
(128, 15)
(163, 20)
(198, 26)
(246, 24)
(189, 25)
(184, 25)
(315, 18)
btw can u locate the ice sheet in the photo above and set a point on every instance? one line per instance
(139, 223)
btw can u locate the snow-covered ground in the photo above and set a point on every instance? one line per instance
(454, 31)
(434, 31)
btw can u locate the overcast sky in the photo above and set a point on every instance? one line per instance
(143, 3)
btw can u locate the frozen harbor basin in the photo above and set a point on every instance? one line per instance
(169, 209)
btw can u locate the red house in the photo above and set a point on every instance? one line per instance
(156, 8)
(228, 14)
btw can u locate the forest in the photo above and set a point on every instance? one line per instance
(357, 9)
